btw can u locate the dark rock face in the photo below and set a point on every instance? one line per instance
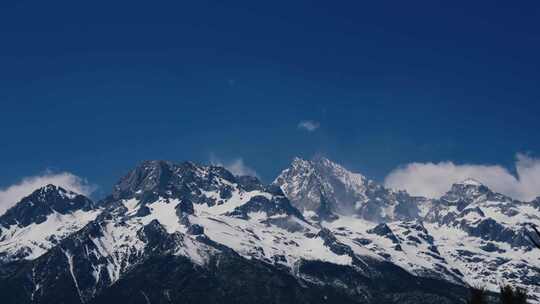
(228, 279)
(249, 183)
(231, 279)
(390, 285)
(275, 206)
(490, 230)
(185, 207)
(490, 247)
(384, 230)
(41, 203)
(195, 229)
(335, 246)
(324, 212)
(536, 203)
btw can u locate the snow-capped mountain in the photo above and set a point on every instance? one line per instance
(484, 234)
(470, 235)
(39, 221)
(328, 189)
(191, 233)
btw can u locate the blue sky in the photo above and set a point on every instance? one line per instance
(94, 88)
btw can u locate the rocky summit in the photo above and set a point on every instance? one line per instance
(189, 233)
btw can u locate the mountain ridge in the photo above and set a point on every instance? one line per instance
(191, 214)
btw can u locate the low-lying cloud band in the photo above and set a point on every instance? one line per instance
(434, 179)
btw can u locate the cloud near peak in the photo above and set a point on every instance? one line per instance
(11, 195)
(237, 166)
(435, 179)
(309, 125)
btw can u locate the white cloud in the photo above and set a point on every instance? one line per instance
(11, 195)
(236, 166)
(434, 179)
(308, 125)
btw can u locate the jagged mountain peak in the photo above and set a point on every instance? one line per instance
(298, 160)
(323, 167)
(197, 188)
(301, 164)
(469, 187)
(470, 182)
(468, 191)
(42, 202)
(325, 187)
(51, 189)
(40, 220)
(321, 164)
(165, 178)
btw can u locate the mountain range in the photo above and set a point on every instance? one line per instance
(189, 233)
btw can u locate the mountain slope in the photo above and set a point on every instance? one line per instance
(328, 189)
(165, 219)
(484, 233)
(41, 220)
(228, 278)
(471, 235)
(190, 233)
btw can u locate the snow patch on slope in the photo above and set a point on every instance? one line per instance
(35, 239)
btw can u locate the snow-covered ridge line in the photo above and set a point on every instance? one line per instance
(324, 213)
(489, 245)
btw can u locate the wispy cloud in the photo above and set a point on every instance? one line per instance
(309, 125)
(11, 195)
(237, 166)
(434, 179)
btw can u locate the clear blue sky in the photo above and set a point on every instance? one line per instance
(95, 87)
